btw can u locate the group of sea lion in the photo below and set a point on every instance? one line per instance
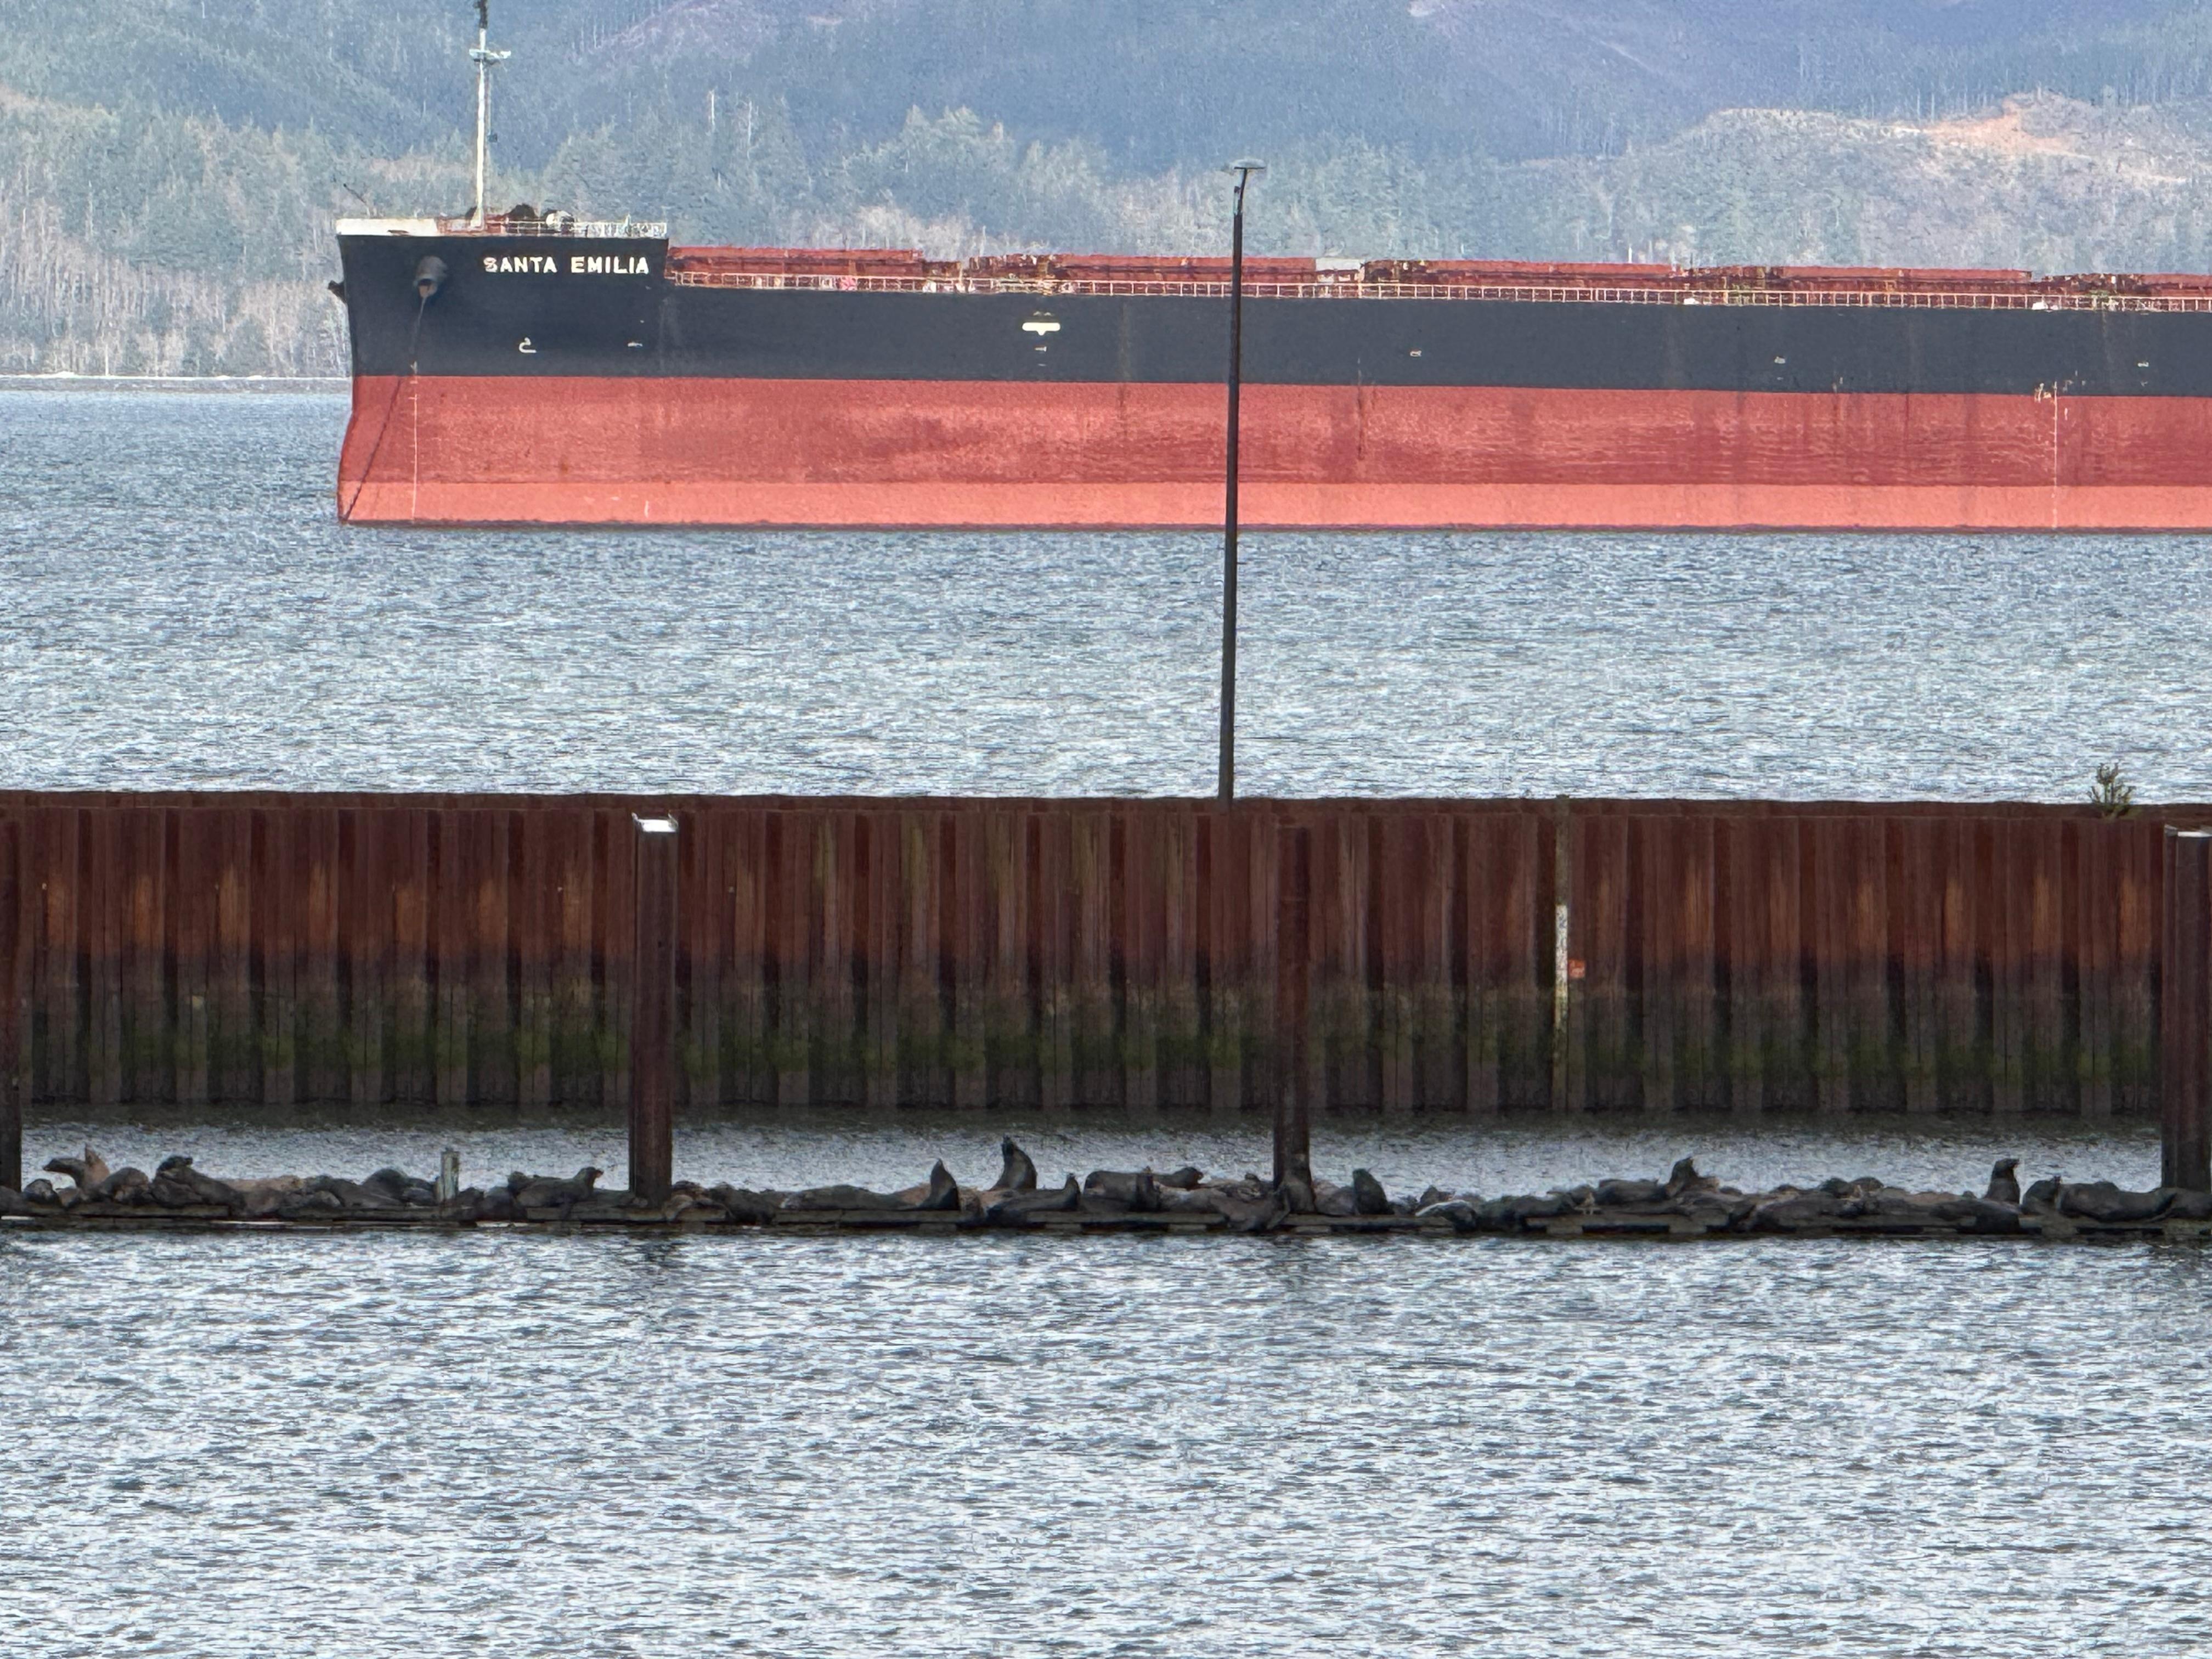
(1868, 1201)
(1015, 1199)
(176, 1185)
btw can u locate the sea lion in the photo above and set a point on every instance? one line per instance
(1621, 1194)
(124, 1186)
(943, 1193)
(1140, 1195)
(2004, 1181)
(1118, 1185)
(840, 1195)
(87, 1171)
(1331, 1200)
(1717, 1208)
(2100, 1200)
(180, 1186)
(1936, 1210)
(308, 1202)
(497, 1204)
(1684, 1178)
(1465, 1218)
(265, 1196)
(545, 1193)
(1265, 1216)
(1788, 1210)
(1249, 1189)
(350, 1194)
(1248, 1206)
(38, 1193)
(1183, 1179)
(1015, 1173)
(1018, 1207)
(1367, 1194)
(402, 1189)
(1516, 1210)
(743, 1203)
(2042, 1197)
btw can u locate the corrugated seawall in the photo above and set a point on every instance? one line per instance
(467, 950)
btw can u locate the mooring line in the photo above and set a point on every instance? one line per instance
(346, 513)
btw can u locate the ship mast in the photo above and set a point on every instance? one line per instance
(483, 58)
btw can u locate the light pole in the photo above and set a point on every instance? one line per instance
(1227, 789)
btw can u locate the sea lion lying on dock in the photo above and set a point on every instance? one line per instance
(550, 1193)
(2101, 1200)
(1019, 1207)
(180, 1186)
(1109, 1190)
(840, 1195)
(1329, 1199)
(86, 1172)
(399, 1188)
(744, 1204)
(940, 1192)
(1248, 1205)
(124, 1186)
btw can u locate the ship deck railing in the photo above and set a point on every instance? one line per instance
(1554, 294)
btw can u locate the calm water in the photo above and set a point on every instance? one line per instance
(1013, 1446)
(182, 611)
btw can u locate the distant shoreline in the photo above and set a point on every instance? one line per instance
(64, 380)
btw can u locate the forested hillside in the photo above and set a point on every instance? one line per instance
(169, 169)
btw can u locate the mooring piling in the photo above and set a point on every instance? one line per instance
(1294, 947)
(2185, 1012)
(15, 1009)
(11, 1121)
(652, 1013)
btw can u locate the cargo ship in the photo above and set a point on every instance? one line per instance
(528, 369)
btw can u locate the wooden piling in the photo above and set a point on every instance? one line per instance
(652, 1013)
(15, 1002)
(1293, 1077)
(2185, 1012)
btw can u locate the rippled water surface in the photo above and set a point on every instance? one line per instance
(487, 1443)
(182, 611)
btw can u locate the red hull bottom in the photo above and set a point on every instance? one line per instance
(1003, 455)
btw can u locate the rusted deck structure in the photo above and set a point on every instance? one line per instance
(1148, 955)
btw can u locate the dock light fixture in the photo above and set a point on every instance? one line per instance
(1245, 170)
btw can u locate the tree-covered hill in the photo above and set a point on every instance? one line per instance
(168, 168)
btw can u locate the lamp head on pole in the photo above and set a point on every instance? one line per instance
(1244, 169)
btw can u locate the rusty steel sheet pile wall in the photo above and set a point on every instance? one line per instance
(1059, 954)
